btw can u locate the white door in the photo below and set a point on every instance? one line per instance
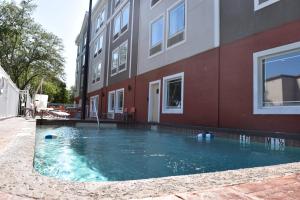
(154, 102)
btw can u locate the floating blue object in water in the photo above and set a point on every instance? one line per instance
(205, 136)
(49, 137)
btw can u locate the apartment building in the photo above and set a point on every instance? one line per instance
(228, 64)
(81, 41)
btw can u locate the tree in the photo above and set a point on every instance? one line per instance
(28, 53)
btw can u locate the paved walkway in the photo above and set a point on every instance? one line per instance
(18, 179)
(282, 188)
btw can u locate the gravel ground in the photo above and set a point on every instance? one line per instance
(18, 178)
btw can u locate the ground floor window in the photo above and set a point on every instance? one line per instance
(116, 101)
(119, 101)
(111, 101)
(277, 80)
(173, 90)
(94, 102)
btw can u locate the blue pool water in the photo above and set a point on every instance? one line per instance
(81, 154)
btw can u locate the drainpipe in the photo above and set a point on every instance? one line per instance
(86, 65)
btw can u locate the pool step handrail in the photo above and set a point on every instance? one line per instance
(96, 111)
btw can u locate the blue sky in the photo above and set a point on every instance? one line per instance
(64, 19)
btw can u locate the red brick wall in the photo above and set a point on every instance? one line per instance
(128, 93)
(236, 81)
(200, 90)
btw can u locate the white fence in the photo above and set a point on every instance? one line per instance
(9, 96)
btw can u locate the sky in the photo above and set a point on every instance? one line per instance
(63, 18)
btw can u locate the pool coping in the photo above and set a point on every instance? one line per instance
(18, 178)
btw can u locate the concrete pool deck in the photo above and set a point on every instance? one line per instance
(18, 180)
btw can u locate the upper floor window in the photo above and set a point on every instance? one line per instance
(157, 36)
(100, 20)
(154, 2)
(121, 22)
(96, 72)
(259, 4)
(119, 59)
(85, 40)
(277, 80)
(176, 26)
(117, 3)
(98, 46)
(83, 60)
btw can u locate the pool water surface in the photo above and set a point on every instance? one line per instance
(116, 154)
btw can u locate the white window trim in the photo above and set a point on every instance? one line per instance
(126, 64)
(151, 7)
(166, 110)
(150, 36)
(168, 21)
(117, 101)
(120, 33)
(109, 101)
(258, 108)
(258, 6)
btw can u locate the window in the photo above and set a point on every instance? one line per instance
(96, 48)
(176, 24)
(277, 80)
(85, 40)
(121, 22)
(100, 20)
(119, 59)
(115, 61)
(259, 4)
(83, 60)
(100, 44)
(111, 101)
(157, 36)
(117, 24)
(173, 94)
(94, 101)
(96, 72)
(125, 18)
(119, 101)
(117, 3)
(123, 56)
(99, 72)
(154, 2)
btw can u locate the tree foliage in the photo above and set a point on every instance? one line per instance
(28, 53)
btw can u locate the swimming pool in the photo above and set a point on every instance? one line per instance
(118, 154)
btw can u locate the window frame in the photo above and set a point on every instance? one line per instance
(258, 82)
(168, 24)
(115, 33)
(117, 50)
(117, 110)
(98, 72)
(152, 6)
(165, 109)
(163, 35)
(109, 101)
(258, 6)
(120, 14)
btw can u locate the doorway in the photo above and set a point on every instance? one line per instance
(154, 102)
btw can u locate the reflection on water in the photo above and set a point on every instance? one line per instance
(130, 154)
